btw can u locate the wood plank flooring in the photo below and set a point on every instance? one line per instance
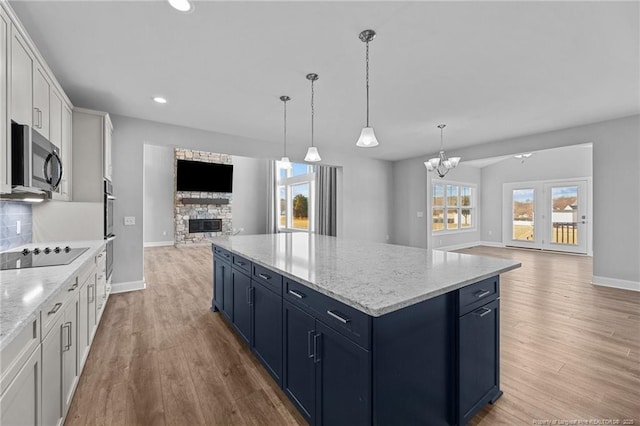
(570, 351)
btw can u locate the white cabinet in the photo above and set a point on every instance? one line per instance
(108, 130)
(5, 123)
(69, 352)
(91, 157)
(67, 153)
(20, 403)
(55, 117)
(52, 345)
(41, 91)
(21, 80)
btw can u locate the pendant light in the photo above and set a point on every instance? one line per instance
(312, 153)
(284, 161)
(367, 137)
(441, 164)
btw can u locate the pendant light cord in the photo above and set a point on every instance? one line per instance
(367, 68)
(312, 112)
(285, 128)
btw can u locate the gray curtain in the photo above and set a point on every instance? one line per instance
(326, 200)
(272, 190)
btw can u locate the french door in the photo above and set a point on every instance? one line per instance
(546, 215)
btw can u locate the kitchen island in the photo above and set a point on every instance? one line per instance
(365, 333)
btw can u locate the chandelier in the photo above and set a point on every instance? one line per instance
(441, 164)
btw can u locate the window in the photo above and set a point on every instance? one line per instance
(296, 194)
(453, 207)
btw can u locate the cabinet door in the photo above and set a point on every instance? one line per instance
(55, 118)
(20, 403)
(108, 130)
(242, 303)
(69, 351)
(267, 329)
(41, 90)
(5, 145)
(299, 377)
(52, 346)
(227, 291)
(479, 357)
(66, 150)
(91, 321)
(21, 80)
(218, 284)
(83, 325)
(343, 379)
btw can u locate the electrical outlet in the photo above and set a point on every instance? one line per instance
(420, 214)
(129, 220)
(164, 233)
(18, 230)
(490, 233)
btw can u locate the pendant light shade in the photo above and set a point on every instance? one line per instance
(284, 161)
(367, 137)
(441, 164)
(313, 155)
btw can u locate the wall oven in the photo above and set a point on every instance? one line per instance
(109, 236)
(35, 162)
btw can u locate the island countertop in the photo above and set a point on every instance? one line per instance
(375, 278)
(23, 292)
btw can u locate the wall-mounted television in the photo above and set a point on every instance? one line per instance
(204, 177)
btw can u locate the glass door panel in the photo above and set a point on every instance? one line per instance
(523, 216)
(566, 209)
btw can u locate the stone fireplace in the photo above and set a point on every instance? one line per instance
(200, 215)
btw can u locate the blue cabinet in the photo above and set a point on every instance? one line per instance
(242, 301)
(326, 375)
(222, 287)
(266, 341)
(299, 375)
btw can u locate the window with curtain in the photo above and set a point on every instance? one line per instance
(453, 207)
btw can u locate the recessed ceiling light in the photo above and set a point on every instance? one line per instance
(160, 100)
(181, 5)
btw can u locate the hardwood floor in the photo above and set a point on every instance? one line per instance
(570, 351)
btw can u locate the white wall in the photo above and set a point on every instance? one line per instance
(616, 181)
(553, 164)
(365, 194)
(158, 190)
(249, 203)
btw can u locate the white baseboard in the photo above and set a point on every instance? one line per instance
(159, 244)
(490, 243)
(457, 246)
(616, 283)
(128, 286)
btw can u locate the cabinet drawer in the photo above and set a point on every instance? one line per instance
(222, 253)
(14, 355)
(475, 295)
(51, 311)
(344, 319)
(242, 263)
(267, 277)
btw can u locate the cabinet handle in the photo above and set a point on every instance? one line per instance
(92, 293)
(73, 287)
(70, 334)
(249, 295)
(317, 348)
(484, 312)
(296, 294)
(264, 276)
(225, 255)
(241, 263)
(482, 293)
(55, 308)
(338, 317)
(39, 118)
(309, 338)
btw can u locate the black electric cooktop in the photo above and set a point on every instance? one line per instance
(38, 257)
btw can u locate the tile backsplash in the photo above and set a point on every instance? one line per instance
(10, 213)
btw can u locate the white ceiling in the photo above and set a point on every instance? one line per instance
(490, 70)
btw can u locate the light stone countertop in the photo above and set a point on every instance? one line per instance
(24, 292)
(374, 278)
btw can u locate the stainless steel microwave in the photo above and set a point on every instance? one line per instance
(35, 162)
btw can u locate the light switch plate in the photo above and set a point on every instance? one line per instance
(18, 228)
(420, 214)
(129, 220)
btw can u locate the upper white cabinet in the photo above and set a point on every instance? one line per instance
(92, 157)
(31, 95)
(41, 90)
(5, 135)
(21, 75)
